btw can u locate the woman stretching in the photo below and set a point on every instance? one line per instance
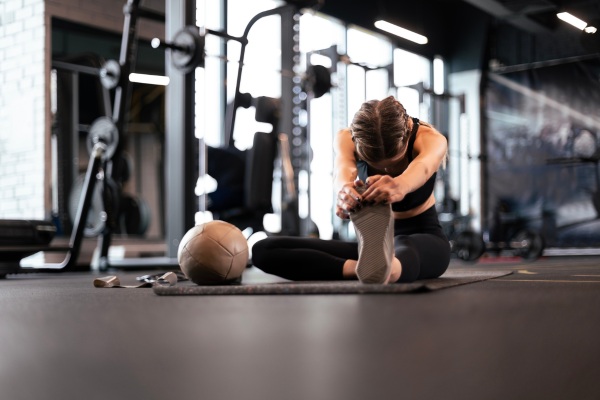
(385, 171)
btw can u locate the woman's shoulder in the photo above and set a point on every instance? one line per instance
(345, 132)
(344, 135)
(427, 130)
(343, 140)
(428, 136)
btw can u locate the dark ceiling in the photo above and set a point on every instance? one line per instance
(536, 16)
(441, 19)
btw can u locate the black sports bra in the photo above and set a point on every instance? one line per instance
(412, 199)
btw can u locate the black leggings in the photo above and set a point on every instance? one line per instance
(421, 247)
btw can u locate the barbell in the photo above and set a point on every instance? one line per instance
(188, 52)
(187, 49)
(528, 245)
(469, 246)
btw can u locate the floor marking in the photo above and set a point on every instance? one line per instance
(544, 280)
(525, 272)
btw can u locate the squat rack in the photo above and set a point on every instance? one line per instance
(180, 146)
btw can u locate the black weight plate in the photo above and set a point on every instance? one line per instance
(134, 217)
(95, 219)
(188, 38)
(532, 245)
(318, 80)
(468, 246)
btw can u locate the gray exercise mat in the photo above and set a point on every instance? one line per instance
(449, 279)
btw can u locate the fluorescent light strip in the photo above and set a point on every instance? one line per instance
(402, 32)
(573, 20)
(149, 79)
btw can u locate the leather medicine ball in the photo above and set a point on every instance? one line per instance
(213, 253)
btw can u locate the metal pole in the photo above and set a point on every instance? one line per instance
(179, 127)
(289, 120)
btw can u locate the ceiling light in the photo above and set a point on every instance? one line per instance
(573, 20)
(402, 32)
(149, 79)
(590, 29)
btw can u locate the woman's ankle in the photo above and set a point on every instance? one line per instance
(349, 270)
(396, 271)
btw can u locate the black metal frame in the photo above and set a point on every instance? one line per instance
(180, 149)
(12, 255)
(100, 166)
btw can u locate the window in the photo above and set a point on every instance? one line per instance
(261, 75)
(410, 71)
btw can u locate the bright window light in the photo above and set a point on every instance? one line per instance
(573, 20)
(149, 79)
(319, 59)
(411, 69)
(402, 32)
(438, 75)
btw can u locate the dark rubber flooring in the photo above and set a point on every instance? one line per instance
(531, 335)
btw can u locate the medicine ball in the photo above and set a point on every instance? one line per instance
(213, 253)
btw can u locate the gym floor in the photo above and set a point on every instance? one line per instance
(534, 334)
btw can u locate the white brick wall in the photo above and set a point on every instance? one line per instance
(22, 109)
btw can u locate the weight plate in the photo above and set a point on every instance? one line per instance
(596, 201)
(104, 205)
(531, 245)
(468, 246)
(189, 51)
(318, 80)
(111, 196)
(110, 74)
(96, 217)
(134, 215)
(103, 130)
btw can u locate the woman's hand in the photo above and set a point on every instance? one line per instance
(384, 189)
(349, 199)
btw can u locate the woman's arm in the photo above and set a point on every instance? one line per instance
(344, 174)
(430, 148)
